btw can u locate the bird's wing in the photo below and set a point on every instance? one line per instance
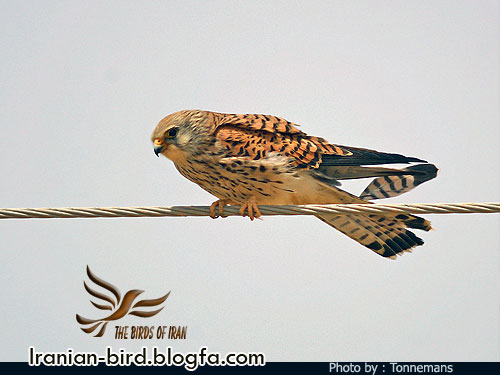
(363, 156)
(255, 136)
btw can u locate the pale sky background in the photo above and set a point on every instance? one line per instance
(83, 84)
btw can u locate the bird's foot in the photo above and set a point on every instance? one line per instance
(252, 208)
(219, 203)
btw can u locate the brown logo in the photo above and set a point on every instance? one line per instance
(118, 306)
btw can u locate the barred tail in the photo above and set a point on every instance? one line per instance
(391, 186)
(385, 235)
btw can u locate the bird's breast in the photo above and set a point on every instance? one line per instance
(269, 182)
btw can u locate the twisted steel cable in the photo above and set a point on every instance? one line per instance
(266, 210)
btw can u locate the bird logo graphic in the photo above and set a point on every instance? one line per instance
(118, 306)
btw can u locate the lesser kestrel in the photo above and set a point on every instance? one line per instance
(252, 160)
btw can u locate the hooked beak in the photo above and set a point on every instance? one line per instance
(159, 146)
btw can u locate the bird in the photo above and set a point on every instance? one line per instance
(254, 159)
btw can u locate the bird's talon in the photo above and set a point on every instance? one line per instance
(257, 211)
(220, 204)
(252, 208)
(213, 215)
(221, 209)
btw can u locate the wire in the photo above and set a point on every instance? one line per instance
(184, 211)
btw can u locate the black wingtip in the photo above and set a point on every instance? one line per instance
(413, 160)
(364, 156)
(428, 170)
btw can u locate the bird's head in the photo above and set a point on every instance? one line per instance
(181, 134)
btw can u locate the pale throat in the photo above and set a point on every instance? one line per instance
(175, 154)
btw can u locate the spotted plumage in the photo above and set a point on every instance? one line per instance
(250, 160)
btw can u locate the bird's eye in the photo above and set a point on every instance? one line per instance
(172, 133)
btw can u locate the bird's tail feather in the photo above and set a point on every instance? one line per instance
(385, 235)
(388, 186)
